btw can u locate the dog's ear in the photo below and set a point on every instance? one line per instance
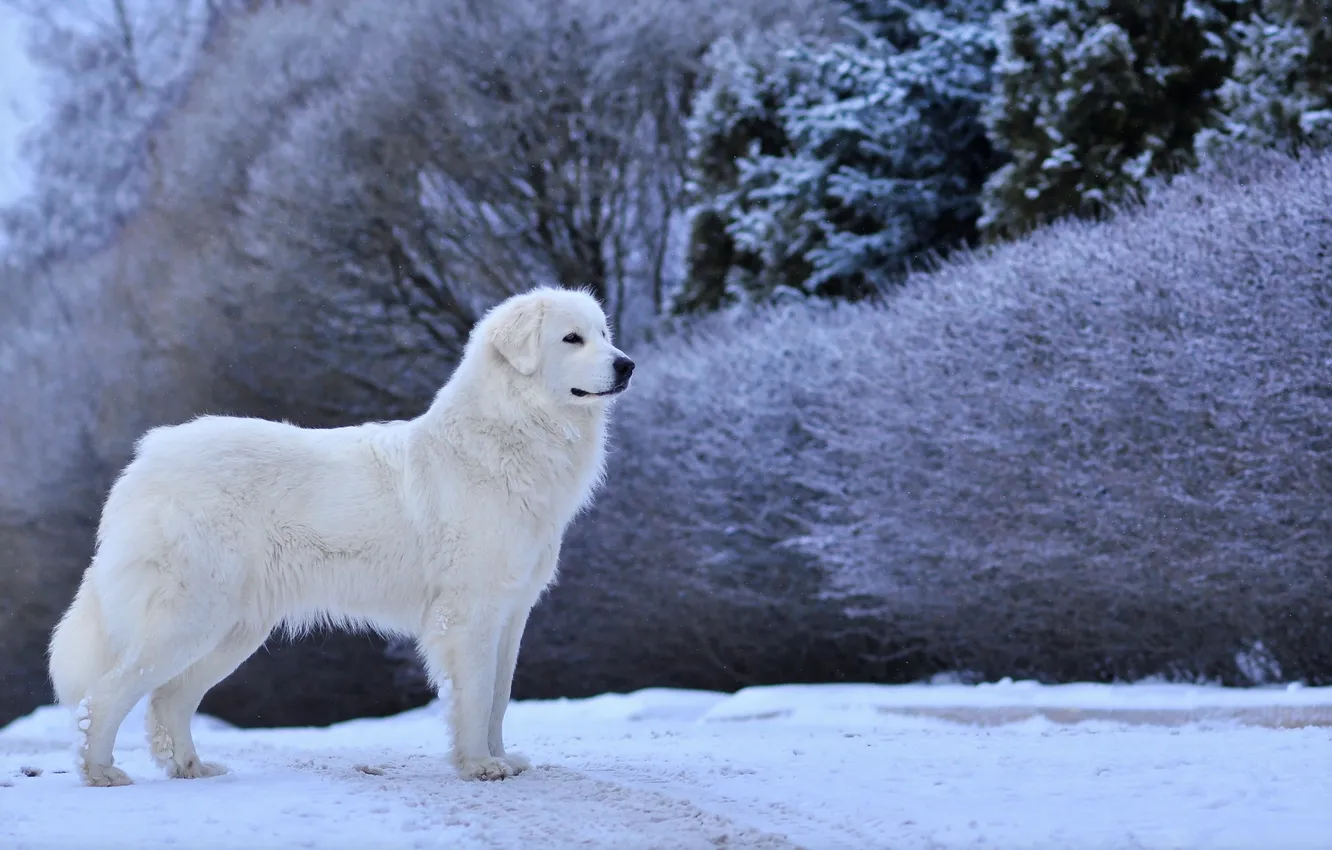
(516, 334)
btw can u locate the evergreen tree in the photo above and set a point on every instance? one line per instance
(892, 19)
(732, 116)
(1280, 91)
(1093, 96)
(828, 168)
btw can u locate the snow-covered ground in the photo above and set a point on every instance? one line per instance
(1083, 766)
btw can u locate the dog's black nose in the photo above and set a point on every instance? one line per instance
(624, 367)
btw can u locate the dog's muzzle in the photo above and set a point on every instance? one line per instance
(624, 370)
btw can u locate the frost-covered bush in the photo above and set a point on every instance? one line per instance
(1094, 96)
(1099, 452)
(828, 168)
(1279, 93)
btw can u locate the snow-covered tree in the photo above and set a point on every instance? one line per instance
(1093, 96)
(114, 66)
(1279, 93)
(892, 19)
(467, 150)
(828, 168)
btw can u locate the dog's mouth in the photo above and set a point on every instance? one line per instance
(615, 390)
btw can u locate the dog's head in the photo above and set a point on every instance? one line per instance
(559, 339)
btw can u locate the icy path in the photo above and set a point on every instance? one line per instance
(806, 766)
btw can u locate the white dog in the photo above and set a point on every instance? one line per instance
(446, 527)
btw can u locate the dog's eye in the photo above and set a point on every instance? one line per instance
(574, 339)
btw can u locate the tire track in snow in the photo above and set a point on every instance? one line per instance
(548, 805)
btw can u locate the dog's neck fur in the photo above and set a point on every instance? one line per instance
(520, 420)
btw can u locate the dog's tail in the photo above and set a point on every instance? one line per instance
(80, 653)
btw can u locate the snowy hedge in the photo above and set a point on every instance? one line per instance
(1099, 452)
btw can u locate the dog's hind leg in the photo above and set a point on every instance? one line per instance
(101, 712)
(173, 704)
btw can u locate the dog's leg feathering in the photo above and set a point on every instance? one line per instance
(467, 656)
(171, 707)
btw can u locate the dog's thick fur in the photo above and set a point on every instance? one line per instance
(446, 527)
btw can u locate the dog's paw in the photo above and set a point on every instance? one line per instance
(105, 776)
(487, 768)
(195, 769)
(517, 762)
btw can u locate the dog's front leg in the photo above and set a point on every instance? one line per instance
(510, 640)
(468, 652)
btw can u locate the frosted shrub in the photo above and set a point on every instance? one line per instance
(1099, 452)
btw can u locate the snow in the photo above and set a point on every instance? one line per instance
(1087, 766)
